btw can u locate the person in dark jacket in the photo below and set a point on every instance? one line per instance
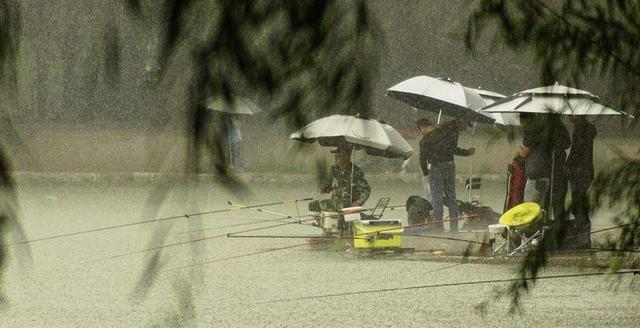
(579, 168)
(437, 148)
(543, 149)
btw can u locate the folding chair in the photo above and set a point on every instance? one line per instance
(520, 229)
(377, 211)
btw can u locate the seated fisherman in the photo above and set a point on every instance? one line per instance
(339, 185)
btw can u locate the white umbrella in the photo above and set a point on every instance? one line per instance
(240, 106)
(554, 99)
(442, 96)
(489, 98)
(375, 138)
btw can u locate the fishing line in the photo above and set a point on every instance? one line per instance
(148, 221)
(478, 282)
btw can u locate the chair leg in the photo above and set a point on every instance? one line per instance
(524, 242)
(505, 243)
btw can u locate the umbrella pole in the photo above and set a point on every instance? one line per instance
(553, 168)
(353, 164)
(473, 134)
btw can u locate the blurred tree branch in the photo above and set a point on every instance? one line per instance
(572, 39)
(308, 58)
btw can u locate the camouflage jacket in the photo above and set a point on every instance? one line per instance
(339, 184)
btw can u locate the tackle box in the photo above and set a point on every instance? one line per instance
(377, 234)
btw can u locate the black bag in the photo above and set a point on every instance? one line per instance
(418, 210)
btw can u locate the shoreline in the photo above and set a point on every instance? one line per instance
(251, 177)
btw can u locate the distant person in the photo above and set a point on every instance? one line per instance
(580, 172)
(544, 144)
(339, 185)
(437, 148)
(234, 136)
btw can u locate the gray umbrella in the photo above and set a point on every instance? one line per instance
(377, 139)
(553, 99)
(442, 96)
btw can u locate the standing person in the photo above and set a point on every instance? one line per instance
(339, 185)
(234, 136)
(544, 145)
(437, 148)
(580, 171)
(560, 141)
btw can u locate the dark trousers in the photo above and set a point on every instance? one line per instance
(560, 226)
(580, 208)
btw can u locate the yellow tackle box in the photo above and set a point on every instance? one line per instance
(374, 234)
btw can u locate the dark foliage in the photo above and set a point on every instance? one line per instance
(572, 39)
(9, 210)
(305, 58)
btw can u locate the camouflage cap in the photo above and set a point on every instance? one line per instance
(341, 151)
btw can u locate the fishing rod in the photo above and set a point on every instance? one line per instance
(598, 231)
(420, 224)
(310, 242)
(197, 240)
(236, 257)
(255, 221)
(477, 282)
(291, 237)
(446, 238)
(284, 216)
(271, 226)
(363, 234)
(188, 215)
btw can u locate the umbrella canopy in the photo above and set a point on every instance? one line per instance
(375, 138)
(554, 99)
(440, 95)
(489, 98)
(240, 106)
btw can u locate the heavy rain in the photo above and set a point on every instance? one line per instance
(273, 163)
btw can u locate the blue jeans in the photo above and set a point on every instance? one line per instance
(443, 181)
(237, 162)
